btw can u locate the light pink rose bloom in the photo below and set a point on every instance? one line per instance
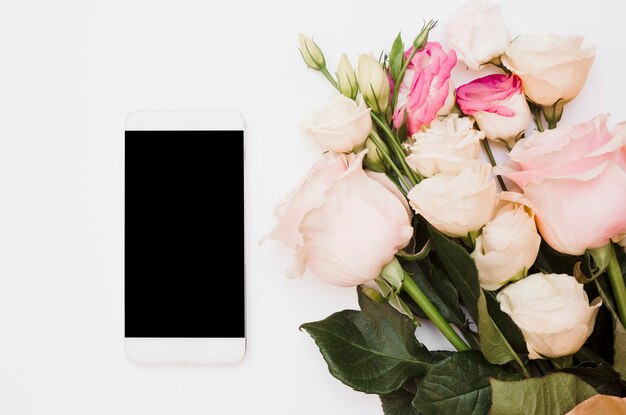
(574, 179)
(426, 90)
(498, 104)
(344, 224)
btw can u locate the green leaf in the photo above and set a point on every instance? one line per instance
(458, 385)
(396, 57)
(438, 289)
(494, 346)
(601, 376)
(506, 325)
(460, 268)
(372, 351)
(462, 271)
(554, 394)
(619, 351)
(399, 402)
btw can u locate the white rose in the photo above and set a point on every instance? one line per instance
(552, 67)
(507, 247)
(444, 145)
(340, 125)
(456, 204)
(553, 313)
(478, 34)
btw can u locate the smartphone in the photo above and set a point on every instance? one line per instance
(184, 300)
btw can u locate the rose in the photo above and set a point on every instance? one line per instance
(456, 204)
(507, 247)
(600, 404)
(426, 90)
(343, 223)
(574, 179)
(444, 145)
(340, 125)
(373, 83)
(498, 104)
(552, 311)
(553, 68)
(477, 33)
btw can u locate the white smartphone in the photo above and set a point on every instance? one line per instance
(184, 285)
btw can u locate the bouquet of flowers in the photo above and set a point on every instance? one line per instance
(519, 263)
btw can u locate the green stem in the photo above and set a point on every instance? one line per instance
(537, 117)
(376, 141)
(409, 286)
(492, 160)
(617, 284)
(397, 149)
(330, 78)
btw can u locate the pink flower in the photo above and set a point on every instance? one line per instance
(343, 223)
(498, 104)
(426, 90)
(574, 179)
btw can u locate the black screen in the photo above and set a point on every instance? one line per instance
(180, 186)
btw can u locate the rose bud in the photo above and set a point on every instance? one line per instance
(373, 83)
(507, 247)
(311, 53)
(346, 78)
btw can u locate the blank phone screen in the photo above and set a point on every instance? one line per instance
(184, 235)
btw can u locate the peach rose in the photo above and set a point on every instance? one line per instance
(344, 224)
(574, 179)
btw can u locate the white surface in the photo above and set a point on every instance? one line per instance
(184, 120)
(163, 351)
(71, 71)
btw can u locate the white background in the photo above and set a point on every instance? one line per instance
(69, 73)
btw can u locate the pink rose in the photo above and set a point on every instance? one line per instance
(498, 104)
(345, 224)
(574, 179)
(426, 90)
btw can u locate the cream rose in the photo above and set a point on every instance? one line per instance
(443, 146)
(340, 125)
(327, 216)
(553, 68)
(507, 247)
(456, 204)
(553, 313)
(477, 33)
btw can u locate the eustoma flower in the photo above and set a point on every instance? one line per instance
(507, 247)
(553, 313)
(340, 125)
(426, 90)
(478, 34)
(553, 68)
(456, 204)
(574, 179)
(444, 145)
(498, 104)
(343, 223)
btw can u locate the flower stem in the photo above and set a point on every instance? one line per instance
(405, 186)
(617, 284)
(397, 149)
(492, 160)
(330, 78)
(537, 117)
(409, 286)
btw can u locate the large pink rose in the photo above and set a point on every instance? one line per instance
(345, 224)
(498, 104)
(426, 89)
(574, 179)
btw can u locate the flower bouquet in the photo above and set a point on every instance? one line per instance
(519, 263)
